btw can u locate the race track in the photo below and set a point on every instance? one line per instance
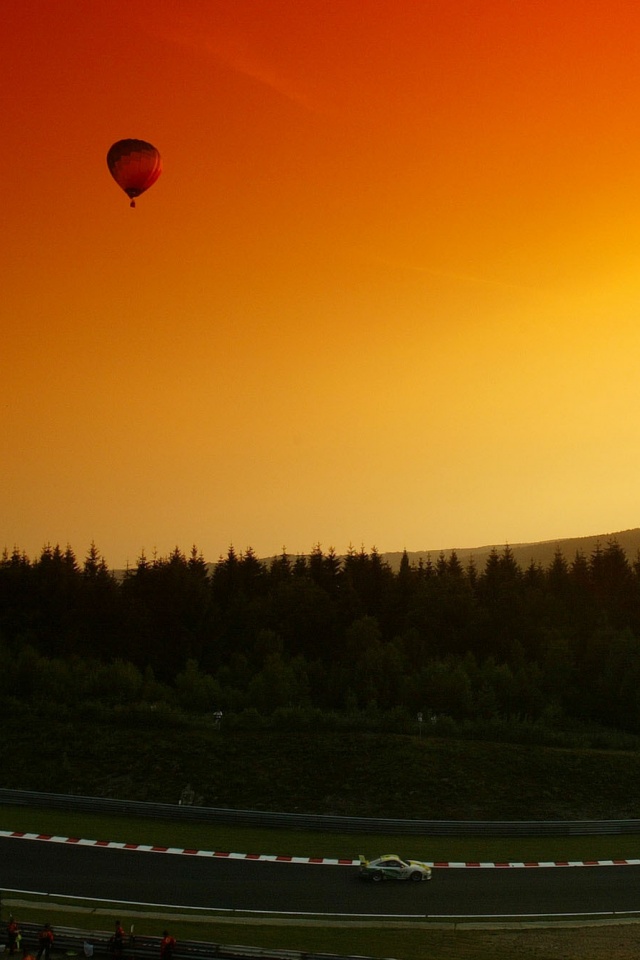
(320, 889)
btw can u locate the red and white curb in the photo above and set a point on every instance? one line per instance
(282, 858)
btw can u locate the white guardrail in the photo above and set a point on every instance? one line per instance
(432, 828)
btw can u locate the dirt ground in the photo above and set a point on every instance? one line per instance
(597, 942)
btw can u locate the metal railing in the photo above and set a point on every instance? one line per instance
(300, 821)
(69, 940)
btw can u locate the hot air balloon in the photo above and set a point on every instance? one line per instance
(135, 165)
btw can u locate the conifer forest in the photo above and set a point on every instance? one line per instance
(333, 635)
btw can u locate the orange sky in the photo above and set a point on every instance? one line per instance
(386, 292)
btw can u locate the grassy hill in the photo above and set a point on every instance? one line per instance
(343, 773)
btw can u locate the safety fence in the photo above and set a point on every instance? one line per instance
(69, 942)
(301, 821)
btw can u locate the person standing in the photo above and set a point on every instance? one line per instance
(13, 935)
(45, 942)
(167, 946)
(116, 943)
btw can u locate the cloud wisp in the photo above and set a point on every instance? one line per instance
(240, 54)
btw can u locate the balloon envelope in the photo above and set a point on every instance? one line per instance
(135, 165)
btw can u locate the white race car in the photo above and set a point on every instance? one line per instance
(392, 867)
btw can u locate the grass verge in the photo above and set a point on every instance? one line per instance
(240, 839)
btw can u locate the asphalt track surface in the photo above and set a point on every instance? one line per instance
(313, 889)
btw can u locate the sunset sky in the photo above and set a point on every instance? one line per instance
(385, 293)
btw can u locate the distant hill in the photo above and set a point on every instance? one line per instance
(541, 552)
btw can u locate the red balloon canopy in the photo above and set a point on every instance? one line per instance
(135, 165)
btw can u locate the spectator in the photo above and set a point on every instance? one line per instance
(13, 935)
(45, 942)
(167, 945)
(116, 943)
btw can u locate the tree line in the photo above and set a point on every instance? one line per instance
(329, 633)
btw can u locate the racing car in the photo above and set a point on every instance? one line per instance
(392, 867)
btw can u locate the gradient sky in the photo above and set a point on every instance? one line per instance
(385, 293)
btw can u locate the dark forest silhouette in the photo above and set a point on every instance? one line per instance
(345, 634)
